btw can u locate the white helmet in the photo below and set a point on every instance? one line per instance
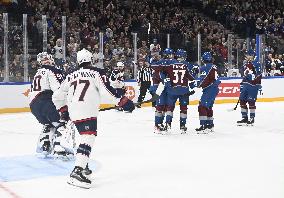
(44, 58)
(84, 56)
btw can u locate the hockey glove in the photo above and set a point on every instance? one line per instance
(64, 114)
(126, 104)
(190, 93)
(120, 91)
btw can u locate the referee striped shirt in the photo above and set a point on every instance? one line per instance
(144, 74)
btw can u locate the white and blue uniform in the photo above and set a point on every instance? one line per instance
(46, 81)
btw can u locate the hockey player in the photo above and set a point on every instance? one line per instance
(250, 86)
(209, 83)
(159, 78)
(117, 76)
(46, 81)
(179, 74)
(82, 91)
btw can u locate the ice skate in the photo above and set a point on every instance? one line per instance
(210, 127)
(183, 129)
(168, 126)
(159, 129)
(250, 122)
(202, 130)
(79, 179)
(87, 172)
(242, 122)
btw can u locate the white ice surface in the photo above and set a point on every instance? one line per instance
(133, 162)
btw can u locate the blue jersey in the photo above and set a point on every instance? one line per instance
(208, 76)
(252, 73)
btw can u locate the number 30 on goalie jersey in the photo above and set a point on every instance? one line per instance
(47, 78)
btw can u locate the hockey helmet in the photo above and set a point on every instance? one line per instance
(44, 58)
(206, 57)
(168, 51)
(181, 53)
(84, 56)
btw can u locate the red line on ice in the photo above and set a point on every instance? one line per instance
(10, 192)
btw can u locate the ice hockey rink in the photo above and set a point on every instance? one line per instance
(130, 161)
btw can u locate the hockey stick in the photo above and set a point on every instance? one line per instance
(154, 98)
(233, 109)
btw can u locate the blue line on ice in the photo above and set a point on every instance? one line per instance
(30, 167)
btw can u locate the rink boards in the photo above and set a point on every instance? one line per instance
(14, 95)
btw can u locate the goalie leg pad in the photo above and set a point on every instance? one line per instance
(63, 143)
(45, 140)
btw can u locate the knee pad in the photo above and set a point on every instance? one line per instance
(252, 105)
(183, 108)
(243, 104)
(170, 108)
(210, 112)
(161, 108)
(202, 110)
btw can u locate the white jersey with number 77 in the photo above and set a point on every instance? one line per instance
(83, 91)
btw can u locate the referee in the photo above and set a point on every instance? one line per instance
(144, 78)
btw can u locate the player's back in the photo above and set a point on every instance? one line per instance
(179, 75)
(46, 80)
(87, 87)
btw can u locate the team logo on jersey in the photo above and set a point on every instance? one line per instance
(130, 92)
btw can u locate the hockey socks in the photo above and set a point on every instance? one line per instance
(84, 150)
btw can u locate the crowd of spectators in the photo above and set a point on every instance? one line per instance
(253, 16)
(118, 20)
